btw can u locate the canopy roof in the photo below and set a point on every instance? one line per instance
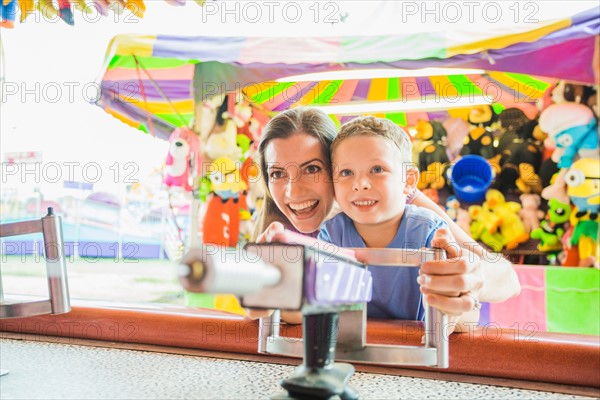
(157, 78)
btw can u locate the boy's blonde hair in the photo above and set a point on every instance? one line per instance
(373, 126)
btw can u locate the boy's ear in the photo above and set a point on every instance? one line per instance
(412, 177)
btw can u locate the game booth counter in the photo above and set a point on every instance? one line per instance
(545, 339)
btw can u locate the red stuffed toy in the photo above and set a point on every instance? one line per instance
(183, 159)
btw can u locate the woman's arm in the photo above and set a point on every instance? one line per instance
(500, 281)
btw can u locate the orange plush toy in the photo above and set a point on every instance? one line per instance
(222, 219)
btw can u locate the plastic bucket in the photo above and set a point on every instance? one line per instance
(471, 177)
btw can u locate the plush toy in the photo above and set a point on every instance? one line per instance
(512, 229)
(222, 218)
(422, 138)
(65, 13)
(456, 132)
(463, 220)
(432, 194)
(240, 112)
(552, 228)
(183, 160)
(226, 209)
(583, 182)
(226, 179)
(27, 8)
(574, 130)
(452, 207)
(569, 92)
(433, 160)
(530, 211)
(484, 227)
(585, 237)
(519, 154)
(224, 143)
(480, 140)
(8, 12)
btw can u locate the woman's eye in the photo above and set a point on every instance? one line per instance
(377, 169)
(312, 169)
(276, 175)
(345, 172)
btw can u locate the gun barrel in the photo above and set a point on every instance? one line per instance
(221, 271)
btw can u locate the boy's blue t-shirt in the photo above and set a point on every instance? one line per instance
(396, 293)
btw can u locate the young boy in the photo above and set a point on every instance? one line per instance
(372, 175)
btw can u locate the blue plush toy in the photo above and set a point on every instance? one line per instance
(574, 129)
(8, 11)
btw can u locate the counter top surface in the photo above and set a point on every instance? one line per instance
(45, 370)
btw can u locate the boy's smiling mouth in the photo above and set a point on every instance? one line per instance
(364, 203)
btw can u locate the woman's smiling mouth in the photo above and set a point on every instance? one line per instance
(303, 207)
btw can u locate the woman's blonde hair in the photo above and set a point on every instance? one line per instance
(310, 121)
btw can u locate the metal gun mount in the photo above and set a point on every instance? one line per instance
(331, 290)
(58, 303)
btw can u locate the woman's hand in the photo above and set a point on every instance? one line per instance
(276, 228)
(452, 285)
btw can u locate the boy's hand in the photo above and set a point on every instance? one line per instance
(253, 313)
(452, 285)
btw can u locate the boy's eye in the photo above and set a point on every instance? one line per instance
(377, 169)
(276, 174)
(312, 169)
(345, 172)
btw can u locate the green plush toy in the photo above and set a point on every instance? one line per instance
(553, 227)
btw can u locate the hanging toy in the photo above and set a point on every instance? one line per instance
(136, 7)
(222, 219)
(183, 160)
(47, 9)
(65, 13)
(27, 8)
(8, 12)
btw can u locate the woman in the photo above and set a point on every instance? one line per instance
(295, 165)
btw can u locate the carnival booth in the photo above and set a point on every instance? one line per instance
(506, 139)
(465, 96)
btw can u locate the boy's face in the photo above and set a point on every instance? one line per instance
(370, 180)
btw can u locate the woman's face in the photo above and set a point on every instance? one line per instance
(299, 180)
